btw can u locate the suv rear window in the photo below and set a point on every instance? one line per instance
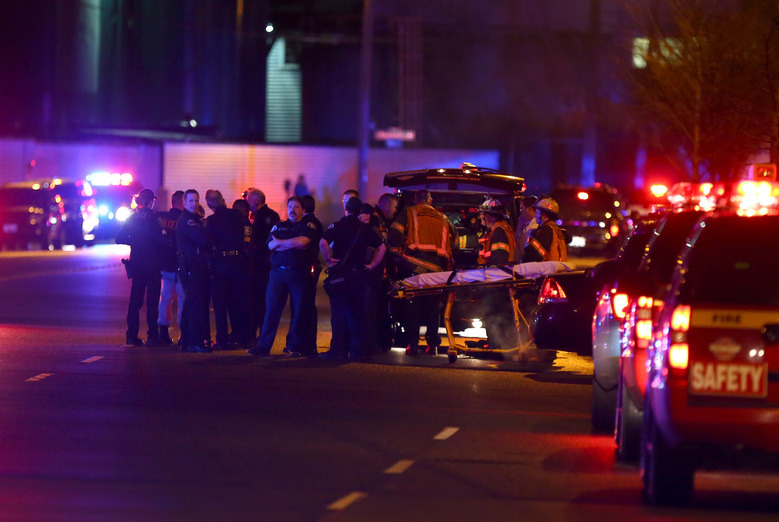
(733, 261)
(667, 243)
(598, 203)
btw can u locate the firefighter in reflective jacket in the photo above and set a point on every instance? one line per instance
(420, 240)
(499, 244)
(421, 237)
(498, 249)
(549, 241)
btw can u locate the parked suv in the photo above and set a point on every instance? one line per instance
(595, 218)
(458, 193)
(47, 213)
(712, 384)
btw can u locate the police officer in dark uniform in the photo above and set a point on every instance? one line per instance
(225, 232)
(290, 275)
(263, 219)
(383, 214)
(309, 207)
(194, 273)
(350, 312)
(143, 233)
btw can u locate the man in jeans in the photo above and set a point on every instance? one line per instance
(171, 283)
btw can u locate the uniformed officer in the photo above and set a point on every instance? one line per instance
(383, 214)
(143, 233)
(309, 207)
(421, 241)
(290, 276)
(350, 309)
(194, 273)
(263, 219)
(225, 233)
(548, 242)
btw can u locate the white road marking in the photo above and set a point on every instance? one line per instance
(92, 359)
(446, 433)
(38, 377)
(399, 467)
(348, 500)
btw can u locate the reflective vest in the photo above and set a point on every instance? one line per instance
(427, 231)
(489, 247)
(558, 251)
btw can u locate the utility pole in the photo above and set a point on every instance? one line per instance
(363, 140)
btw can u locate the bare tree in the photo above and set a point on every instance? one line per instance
(696, 96)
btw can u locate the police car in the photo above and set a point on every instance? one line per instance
(713, 360)
(47, 213)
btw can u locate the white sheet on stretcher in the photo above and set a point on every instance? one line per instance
(483, 275)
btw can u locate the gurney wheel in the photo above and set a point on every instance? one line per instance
(452, 357)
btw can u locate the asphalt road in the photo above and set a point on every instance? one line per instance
(93, 430)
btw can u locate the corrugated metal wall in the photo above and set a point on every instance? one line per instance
(283, 111)
(275, 169)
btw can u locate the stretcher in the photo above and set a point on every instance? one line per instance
(466, 283)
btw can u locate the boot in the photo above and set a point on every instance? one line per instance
(164, 334)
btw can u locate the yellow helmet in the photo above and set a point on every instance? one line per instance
(549, 206)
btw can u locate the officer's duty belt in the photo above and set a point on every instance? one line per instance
(228, 253)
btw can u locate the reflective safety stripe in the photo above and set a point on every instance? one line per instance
(432, 267)
(541, 250)
(732, 318)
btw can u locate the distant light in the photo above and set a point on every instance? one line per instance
(122, 213)
(583, 196)
(102, 210)
(658, 190)
(269, 28)
(193, 123)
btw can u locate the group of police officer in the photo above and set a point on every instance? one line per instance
(211, 260)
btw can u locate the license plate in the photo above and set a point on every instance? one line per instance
(578, 242)
(729, 379)
(10, 228)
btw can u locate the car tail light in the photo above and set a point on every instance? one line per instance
(680, 319)
(643, 321)
(678, 355)
(551, 292)
(614, 230)
(619, 304)
(678, 351)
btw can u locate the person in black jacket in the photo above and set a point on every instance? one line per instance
(172, 288)
(143, 233)
(263, 219)
(194, 273)
(309, 207)
(350, 312)
(225, 232)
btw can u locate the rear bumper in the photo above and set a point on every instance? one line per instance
(705, 420)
